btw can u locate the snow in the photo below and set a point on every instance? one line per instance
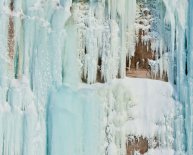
(160, 152)
(152, 106)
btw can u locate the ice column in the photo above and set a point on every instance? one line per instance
(73, 125)
(176, 16)
(189, 92)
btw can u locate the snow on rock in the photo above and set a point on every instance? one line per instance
(152, 106)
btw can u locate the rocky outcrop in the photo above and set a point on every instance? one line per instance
(140, 144)
(11, 33)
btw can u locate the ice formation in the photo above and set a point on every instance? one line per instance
(63, 84)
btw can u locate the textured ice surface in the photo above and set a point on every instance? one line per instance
(48, 47)
(100, 117)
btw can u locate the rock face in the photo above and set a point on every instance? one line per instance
(11, 33)
(145, 48)
(137, 144)
(140, 144)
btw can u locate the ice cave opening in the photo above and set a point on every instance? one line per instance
(96, 77)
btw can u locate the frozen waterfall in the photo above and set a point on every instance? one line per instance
(66, 69)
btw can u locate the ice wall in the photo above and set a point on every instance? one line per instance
(73, 122)
(188, 94)
(106, 38)
(45, 44)
(99, 118)
(49, 47)
(29, 67)
(178, 15)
